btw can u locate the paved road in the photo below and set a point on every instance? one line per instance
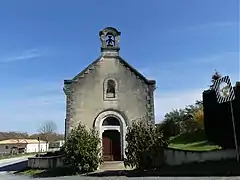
(6, 162)
(11, 165)
(15, 164)
(13, 177)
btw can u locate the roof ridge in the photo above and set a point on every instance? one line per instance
(147, 81)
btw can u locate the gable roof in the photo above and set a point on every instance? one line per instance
(135, 71)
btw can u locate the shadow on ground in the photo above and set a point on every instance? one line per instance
(220, 168)
(15, 167)
(224, 168)
(161, 174)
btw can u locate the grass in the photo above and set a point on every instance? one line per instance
(40, 173)
(30, 172)
(194, 141)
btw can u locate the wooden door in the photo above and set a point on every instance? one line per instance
(116, 146)
(111, 146)
(107, 149)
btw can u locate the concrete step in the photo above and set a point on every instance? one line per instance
(113, 165)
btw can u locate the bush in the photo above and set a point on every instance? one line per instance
(82, 150)
(145, 146)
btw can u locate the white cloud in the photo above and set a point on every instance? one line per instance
(167, 101)
(206, 26)
(25, 108)
(212, 25)
(25, 55)
(221, 58)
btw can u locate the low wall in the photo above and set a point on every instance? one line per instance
(45, 162)
(178, 157)
(171, 156)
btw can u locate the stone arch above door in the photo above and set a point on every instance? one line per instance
(110, 113)
(121, 128)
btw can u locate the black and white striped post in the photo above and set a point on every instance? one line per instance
(225, 93)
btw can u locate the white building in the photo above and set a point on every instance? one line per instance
(22, 146)
(56, 145)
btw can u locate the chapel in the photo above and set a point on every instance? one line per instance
(108, 95)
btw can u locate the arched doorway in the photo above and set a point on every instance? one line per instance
(111, 139)
(122, 129)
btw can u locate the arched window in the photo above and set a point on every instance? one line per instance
(110, 89)
(111, 121)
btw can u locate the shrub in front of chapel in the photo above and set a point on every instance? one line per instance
(145, 146)
(82, 151)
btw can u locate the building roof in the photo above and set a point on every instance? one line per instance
(21, 141)
(127, 65)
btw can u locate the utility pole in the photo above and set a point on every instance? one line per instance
(38, 144)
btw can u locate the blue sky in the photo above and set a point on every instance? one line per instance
(178, 43)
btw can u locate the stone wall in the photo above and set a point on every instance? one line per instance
(86, 94)
(172, 157)
(45, 162)
(178, 157)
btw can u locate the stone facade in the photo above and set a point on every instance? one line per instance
(109, 87)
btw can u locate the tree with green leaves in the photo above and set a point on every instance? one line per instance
(215, 77)
(173, 123)
(144, 146)
(194, 117)
(82, 150)
(181, 121)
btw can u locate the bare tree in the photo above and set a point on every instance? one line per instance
(13, 135)
(47, 130)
